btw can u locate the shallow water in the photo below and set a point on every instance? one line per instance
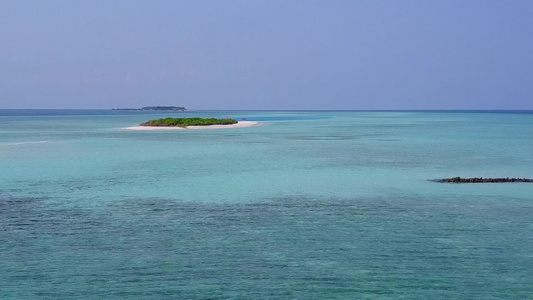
(310, 205)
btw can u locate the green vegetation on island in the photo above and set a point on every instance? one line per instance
(184, 122)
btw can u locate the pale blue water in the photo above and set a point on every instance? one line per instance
(310, 205)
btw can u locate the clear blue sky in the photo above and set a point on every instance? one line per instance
(267, 54)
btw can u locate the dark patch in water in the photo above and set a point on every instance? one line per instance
(288, 118)
(321, 138)
(483, 180)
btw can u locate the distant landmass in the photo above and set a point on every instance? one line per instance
(165, 108)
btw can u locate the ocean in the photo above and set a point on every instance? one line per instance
(308, 205)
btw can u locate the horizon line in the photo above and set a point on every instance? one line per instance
(339, 110)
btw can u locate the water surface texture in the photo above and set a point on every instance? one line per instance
(309, 205)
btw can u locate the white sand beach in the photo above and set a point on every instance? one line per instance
(240, 124)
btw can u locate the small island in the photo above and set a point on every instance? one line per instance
(158, 108)
(483, 180)
(192, 124)
(184, 122)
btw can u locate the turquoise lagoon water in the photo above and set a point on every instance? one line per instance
(309, 205)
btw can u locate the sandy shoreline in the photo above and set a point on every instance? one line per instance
(241, 124)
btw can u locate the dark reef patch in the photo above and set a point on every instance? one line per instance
(482, 180)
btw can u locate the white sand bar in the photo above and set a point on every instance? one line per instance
(240, 124)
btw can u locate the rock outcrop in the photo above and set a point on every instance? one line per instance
(483, 180)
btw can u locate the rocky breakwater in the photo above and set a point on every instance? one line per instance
(483, 180)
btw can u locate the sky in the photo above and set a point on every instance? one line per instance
(275, 54)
